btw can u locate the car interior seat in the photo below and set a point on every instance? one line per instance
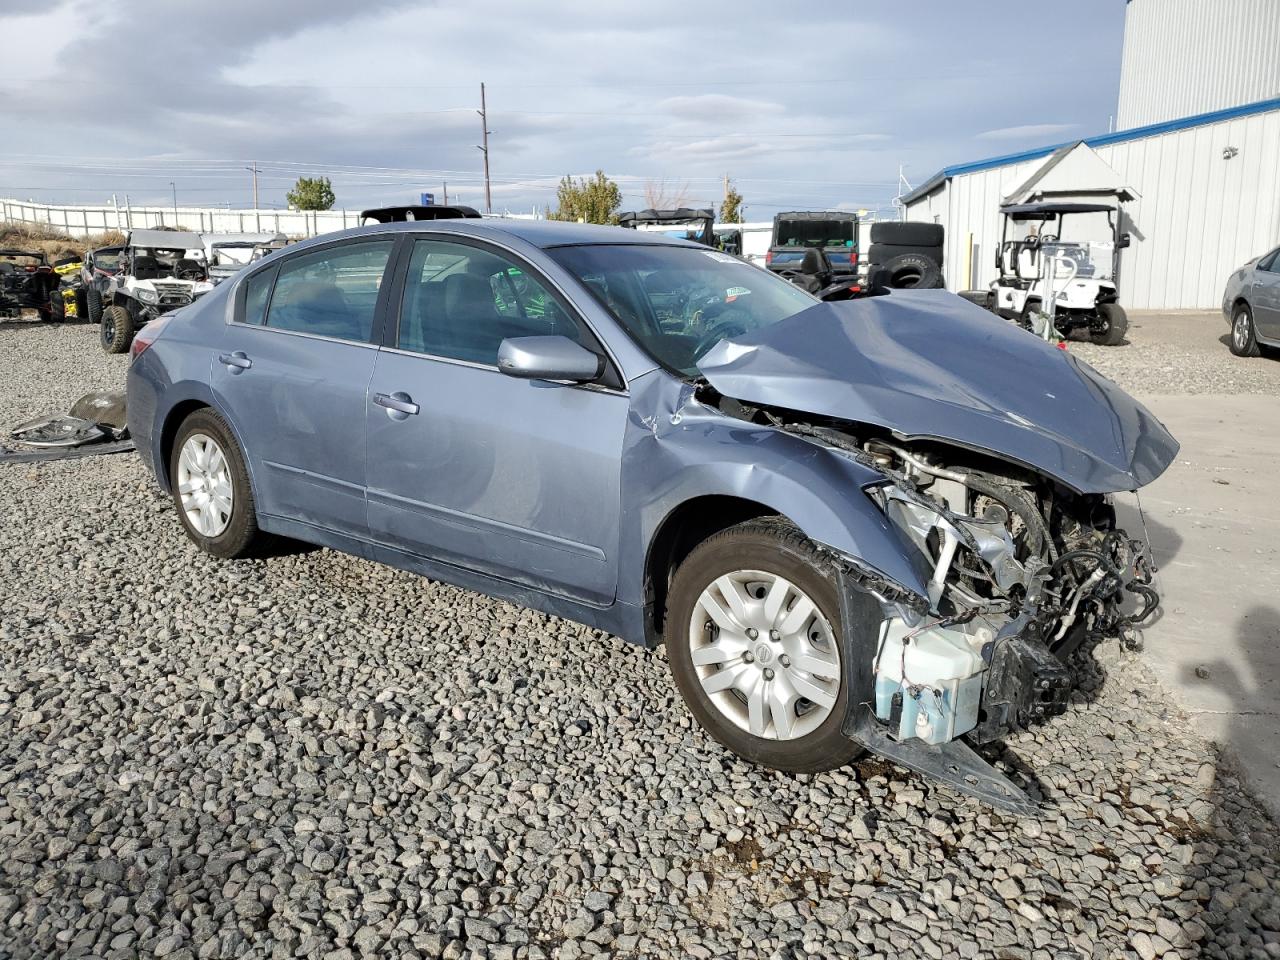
(146, 268)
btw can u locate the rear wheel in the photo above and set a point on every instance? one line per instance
(116, 330)
(82, 304)
(1244, 342)
(753, 636)
(57, 308)
(1115, 324)
(211, 487)
(93, 300)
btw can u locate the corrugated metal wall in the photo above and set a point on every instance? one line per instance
(1199, 217)
(1184, 57)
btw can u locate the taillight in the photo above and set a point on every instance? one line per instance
(146, 337)
(768, 258)
(853, 258)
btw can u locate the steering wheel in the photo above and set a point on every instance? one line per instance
(1048, 238)
(728, 327)
(192, 272)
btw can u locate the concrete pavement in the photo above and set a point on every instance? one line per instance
(1214, 523)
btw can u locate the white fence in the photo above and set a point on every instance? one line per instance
(83, 221)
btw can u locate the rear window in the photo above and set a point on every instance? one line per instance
(815, 233)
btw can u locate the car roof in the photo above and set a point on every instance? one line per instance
(539, 233)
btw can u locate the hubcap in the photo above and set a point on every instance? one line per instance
(204, 485)
(765, 654)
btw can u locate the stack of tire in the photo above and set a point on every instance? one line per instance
(906, 256)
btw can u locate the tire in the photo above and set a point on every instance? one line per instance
(882, 253)
(94, 301)
(57, 309)
(1115, 325)
(907, 234)
(116, 330)
(909, 271)
(1244, 338)
(773, 548)
(236, 534)
(82, 305)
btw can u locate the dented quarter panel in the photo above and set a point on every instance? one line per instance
(929, 365)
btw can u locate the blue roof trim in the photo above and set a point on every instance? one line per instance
(1103, 140)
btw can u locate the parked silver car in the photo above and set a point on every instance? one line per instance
(1251, 304)
(880, 523)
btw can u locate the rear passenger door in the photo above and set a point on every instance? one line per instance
(513, 478)
(292, 376)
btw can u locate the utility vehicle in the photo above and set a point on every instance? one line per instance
(158, 271)
(1056, 266)
(834, 232)
(27, 282)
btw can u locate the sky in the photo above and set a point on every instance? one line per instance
(821, 111)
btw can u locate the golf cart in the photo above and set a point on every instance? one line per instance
(27, 282)
(159, 271)
(1056, 275)
(684, 223)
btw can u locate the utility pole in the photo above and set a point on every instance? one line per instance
(254, 171)
(445, 184)
(484, 132)
(175, 202)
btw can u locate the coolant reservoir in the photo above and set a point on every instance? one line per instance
(928, 685)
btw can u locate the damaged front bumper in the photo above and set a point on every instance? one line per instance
(978, 659)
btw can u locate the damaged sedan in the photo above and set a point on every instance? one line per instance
(882, 524)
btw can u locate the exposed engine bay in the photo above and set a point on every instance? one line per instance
(1021, 572)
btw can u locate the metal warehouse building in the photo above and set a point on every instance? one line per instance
(1206, 186)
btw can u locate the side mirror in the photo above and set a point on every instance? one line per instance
(1123, 242)
(548, 358)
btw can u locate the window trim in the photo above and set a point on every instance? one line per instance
(610, 380)
(391, 269)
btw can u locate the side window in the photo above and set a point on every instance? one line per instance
(256, 291)
(332, 292)
(461, 302)
(1271, 262)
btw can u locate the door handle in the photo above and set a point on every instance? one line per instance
(398, 405)
(235, 362)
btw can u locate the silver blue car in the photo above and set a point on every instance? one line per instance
(1251, 304)
(879, 524)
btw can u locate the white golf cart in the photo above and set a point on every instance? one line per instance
(1056, 275)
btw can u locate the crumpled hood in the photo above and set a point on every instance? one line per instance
(928, 364)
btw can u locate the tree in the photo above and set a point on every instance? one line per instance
(594, 200)
(731, 206)
(311, 193)
(659, 196)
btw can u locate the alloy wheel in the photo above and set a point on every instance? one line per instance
(204, 484)
(765, 654)
(1240, 330)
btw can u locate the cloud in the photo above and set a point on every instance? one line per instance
(1028, 131)
(382, 95)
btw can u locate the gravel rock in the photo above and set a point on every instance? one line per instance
(310, 755)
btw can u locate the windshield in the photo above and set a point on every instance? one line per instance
(815, 233)
(678, 302)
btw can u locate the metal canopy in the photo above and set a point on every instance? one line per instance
(1042, 211)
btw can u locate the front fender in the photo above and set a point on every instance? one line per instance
(707, 453)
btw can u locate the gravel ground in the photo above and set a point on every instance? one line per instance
(314, 756)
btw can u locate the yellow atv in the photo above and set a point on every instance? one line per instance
(68, 300)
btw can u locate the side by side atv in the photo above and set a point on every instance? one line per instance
(1054, 280)
(27, 282)
(158, 271)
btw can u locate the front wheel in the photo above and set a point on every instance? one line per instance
(753, 635)
(211, 487)
(1244, 341)
(1114, 325)
(116, 329)
(93, 300)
